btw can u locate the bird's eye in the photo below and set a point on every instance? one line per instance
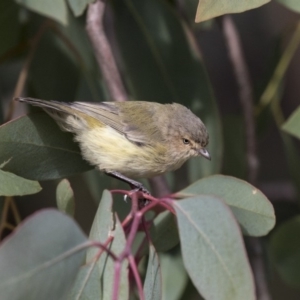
(186, 141)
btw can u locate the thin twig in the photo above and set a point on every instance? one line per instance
(15, 211)
(247, 102)
(159, 186)
(24, 71)
(117, 279)
(272, 88)
(104, 56)
(137, 277)
(245, 93)
(4, 215)
(9, 226)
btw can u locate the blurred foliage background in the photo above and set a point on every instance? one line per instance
(164, 56)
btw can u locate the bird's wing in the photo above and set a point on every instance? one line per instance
(131, 119)
(105, 112)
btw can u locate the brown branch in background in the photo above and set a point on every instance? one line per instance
(245, 93)
(24, 71)
(159, 186)
(103, 53)
(247, 102)
(108, 66)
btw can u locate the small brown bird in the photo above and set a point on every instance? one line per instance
(131, 139)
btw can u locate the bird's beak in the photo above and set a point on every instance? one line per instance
(203, 152)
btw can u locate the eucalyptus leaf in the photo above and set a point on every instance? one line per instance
(13, 185)
(174, 276)
(249, 205)
(212, 248)
(153, 280)
(54, 9)
(91, 290)
(292, 125)
(54, 247)
(38, 149)
(208, 9)
(291, 4)
(65, 197)
(105, 225)
(79, 6)
(165, 236)
(285, 251)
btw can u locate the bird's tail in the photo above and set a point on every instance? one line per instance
(66, 117)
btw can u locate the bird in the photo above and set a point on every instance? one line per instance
(132, 139)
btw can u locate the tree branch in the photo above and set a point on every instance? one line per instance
(246, 97)
(245, 93)
(104, 56)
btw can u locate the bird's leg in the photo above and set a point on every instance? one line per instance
(131, 182)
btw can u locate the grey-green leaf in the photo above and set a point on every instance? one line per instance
(291, 4)
(285, 251)
(65, 197)
(208, 9)
(213, 250)
(38, 149)
(292, 125)
(78, 6)
(13, 185)
(91, 290)
(165, 235)
(249, 205)
(54, 9)
(105, 225)
(40, 260)
(174, 276)
(153, 280)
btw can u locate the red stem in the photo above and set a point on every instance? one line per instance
(137, 277)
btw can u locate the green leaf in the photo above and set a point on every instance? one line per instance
(166, 232)
(105, 225)
(13, 185)
(174, 276)
(162, 65)
(38, 149)
(292, 125)
(153, 280)
(293, 159)
(91, 290)
(285, 251)
(9, 19)
(291, 4)
(65, 197)
(78, 6)
(249, 205)
(208, 9)
(54, 9)
(213, 250)
(54, 247)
